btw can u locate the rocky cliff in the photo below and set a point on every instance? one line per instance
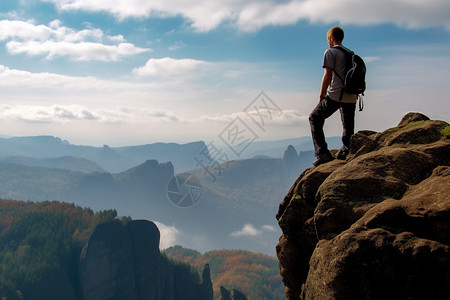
(124, 262)
(376, 226)
(233, 295)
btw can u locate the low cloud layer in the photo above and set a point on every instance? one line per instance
(72, 113)
(62, 113)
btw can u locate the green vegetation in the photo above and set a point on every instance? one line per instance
(413, 124)
(39, 239)
(445, 131)
(105, 215)
(182, 265)
(409, 126)
(254, 274)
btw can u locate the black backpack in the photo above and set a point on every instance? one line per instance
(355, 75)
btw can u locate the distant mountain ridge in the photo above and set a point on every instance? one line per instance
(244, 193)
(38, 150)
(64, 162)
(111, 159)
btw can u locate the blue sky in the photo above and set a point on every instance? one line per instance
(123, 72)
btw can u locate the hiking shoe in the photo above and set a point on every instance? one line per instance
(341, 154)
(323, 158)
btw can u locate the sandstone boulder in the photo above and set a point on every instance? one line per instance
(107, 264)
(388, 202)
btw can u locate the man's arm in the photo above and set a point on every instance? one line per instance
(326, 80)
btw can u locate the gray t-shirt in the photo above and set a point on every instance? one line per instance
(335, 59)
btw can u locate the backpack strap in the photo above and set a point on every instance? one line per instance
(347, 52)
(344, 49)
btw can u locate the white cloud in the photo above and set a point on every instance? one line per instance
(167, 66)
(247, 230)
(116, 38)
(21, 30)
(56, 40)
(205, 15)
(169, 235)
(82, 51)
(70, 113)
(54, 113)
(25, 81)
(56, 87)
(410, 14)
(269, 228)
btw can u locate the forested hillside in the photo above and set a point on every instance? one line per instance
(38, 240)
(254, 274)
(41, 243)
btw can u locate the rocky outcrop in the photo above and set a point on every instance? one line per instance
(154, 279)
(236, 295)
(375, 226)
(293, 161)
(107, 268)
(290, 156)
(206, 287)
(124, 262)
(233, 295)
(224, 293)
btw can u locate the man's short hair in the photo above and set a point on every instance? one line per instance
(337, 32)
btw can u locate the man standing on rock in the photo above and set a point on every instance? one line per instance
(331, 99)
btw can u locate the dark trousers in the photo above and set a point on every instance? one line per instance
(325, 109)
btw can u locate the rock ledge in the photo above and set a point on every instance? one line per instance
(376, 226)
